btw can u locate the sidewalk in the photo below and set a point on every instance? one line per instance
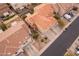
(72, 50)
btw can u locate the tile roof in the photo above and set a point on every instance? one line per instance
(43, 23)
(44, 9)
(42, 17)
(11, 39)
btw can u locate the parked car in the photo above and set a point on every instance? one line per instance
(69, 15)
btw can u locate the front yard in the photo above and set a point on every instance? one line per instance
(39, 41)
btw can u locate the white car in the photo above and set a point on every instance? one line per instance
(67, 16)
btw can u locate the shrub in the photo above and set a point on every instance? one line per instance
(75, 8)
(61, 23)
(56, 16)
(35, 34)
(8, 17)
(3, 26)
(42, 40)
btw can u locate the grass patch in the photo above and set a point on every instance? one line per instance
(8, 17)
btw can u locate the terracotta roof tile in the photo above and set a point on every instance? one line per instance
(42, 17)
(43, 23)
(10, 50)
(44, 9)
(11, 42)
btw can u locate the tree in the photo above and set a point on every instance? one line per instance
(42, 40)
(57, 17)
(74, 8)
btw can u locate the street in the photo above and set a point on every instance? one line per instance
(64, 41)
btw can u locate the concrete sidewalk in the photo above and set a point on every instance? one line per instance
(72, 50)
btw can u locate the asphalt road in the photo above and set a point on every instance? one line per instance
(64, 41)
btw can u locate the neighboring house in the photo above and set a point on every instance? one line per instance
(17, 5)
(12, 39)
(5, 11)
(21, 8)
(66, 6)
(62, 8)
(44, 9)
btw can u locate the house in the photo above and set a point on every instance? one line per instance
(5, 12)
(62, 8)
(42, 17)
(12, 39)
(47, 26)
(21, 8)
(66, 6)
(41, 22)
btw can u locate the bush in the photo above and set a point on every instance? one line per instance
(35, 34)
(75, 8)
(42, 40)
(8, 17)
(61, 23)
(56, 16)
(3, 26)
(45, 38)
